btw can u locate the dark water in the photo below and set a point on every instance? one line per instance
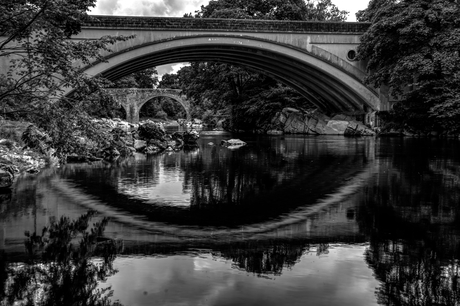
(282, 221)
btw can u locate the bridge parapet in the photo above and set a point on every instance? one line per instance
(241, 25)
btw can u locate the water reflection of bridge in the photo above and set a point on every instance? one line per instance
(327, 218)
(330, 220)
(260, 248)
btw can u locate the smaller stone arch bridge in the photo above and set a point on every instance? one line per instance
(132, 99)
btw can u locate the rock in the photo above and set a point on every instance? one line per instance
(6, 175)
(177, 135)
(151, 149)
(139, 145)
(151, 130)
(338, 125)
(232, 143)
(274, 132)
(122, 141)
(342, 117)
(179, 144)
(110, 153)
(290, 110)
(191, 137)
(159, 144)
(356, 129)
(282, 118)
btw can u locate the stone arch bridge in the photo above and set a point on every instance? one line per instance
(132, 99)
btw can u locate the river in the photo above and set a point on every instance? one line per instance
(284, 220)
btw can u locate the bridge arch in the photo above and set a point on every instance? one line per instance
(132, 99)
(322, 78)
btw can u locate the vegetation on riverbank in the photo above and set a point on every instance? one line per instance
(412, 47)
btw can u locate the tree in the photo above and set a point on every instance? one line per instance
(169, 81)
(147, 78)
(413, 47)
(35, 40)
(321, 10)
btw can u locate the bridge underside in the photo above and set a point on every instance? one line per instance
(329, 88)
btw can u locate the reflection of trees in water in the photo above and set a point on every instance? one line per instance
(261, 257)
(21, 200)
(61, 271)
(265, 258)
(410, 215)
(245, 184)
(415, 272)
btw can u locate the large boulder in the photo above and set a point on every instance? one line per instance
(190, 137)
(151, 130)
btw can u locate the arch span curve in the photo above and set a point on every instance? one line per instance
(327, 85)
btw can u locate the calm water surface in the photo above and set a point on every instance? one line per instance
(285, 220)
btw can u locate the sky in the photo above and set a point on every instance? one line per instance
(177, 8)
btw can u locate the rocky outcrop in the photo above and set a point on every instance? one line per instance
(293, 121)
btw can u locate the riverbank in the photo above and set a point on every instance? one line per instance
(15, 158)
(26, 149)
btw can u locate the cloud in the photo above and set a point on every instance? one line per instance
(105, 7)
(169, 68)
(159, 8)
